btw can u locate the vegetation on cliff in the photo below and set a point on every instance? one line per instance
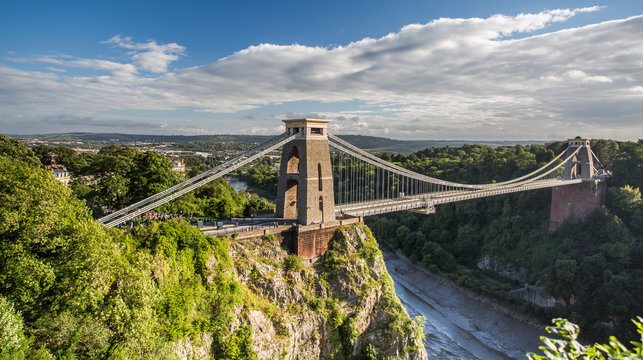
(341, 306)
(75, 290)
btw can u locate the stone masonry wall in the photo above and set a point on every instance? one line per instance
(307, 241)
(575, 202)
(313, 242)
(284, 234)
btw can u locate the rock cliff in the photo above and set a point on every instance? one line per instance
(340, 306)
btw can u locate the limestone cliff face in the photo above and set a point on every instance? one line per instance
(532, 294)
(340, 306)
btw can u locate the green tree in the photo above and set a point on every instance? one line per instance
(402, 236)
(224, 207)
(66, 155)
(564, 276)
(624, 201)
(627, 165)
(605, 150)
(568, 347)
(15, 149)
(435, 255)
(151, 174)
(257, 203)
(55, 261)
(41, 152)
(12, 339)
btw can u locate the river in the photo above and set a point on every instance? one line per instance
(238, 185)
(458, 324)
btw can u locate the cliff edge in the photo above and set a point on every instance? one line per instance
(339, 306)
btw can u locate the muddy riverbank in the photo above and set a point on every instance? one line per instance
(459, 324)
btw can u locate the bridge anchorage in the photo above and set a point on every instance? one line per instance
(325, 182)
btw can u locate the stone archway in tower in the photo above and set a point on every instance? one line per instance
(293, 161)
(290, 199)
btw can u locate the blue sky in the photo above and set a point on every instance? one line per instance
(476, 70)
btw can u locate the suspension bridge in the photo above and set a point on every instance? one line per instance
(383, 187)
(324, 178)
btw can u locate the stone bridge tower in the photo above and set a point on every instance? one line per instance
(581, 165)
(576, 202)
(305, 188)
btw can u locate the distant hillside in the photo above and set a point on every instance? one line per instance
(114, 138)
(374, 143)
(371, 143)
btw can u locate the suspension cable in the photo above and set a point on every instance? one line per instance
(232, 166)
(337, 142)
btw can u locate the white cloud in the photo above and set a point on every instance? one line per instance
(120, 70)
(149, 56)
(124, 71)
(577, 75)
(449, 78)
(258, 130)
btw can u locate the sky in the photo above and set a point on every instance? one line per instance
(416, 69)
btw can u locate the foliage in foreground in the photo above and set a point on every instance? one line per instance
(69, 288)
(568, 347)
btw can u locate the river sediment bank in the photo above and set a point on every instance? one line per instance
(460, 324)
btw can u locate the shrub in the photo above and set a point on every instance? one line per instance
(332, 259)
(369, 352)
(293, 263)
(369, 250)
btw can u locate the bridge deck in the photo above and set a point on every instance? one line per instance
(428, 201)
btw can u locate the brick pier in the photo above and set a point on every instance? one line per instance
(307, 241)
(576, 202)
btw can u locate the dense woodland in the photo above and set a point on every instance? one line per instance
(70, 288)
(595, 267)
